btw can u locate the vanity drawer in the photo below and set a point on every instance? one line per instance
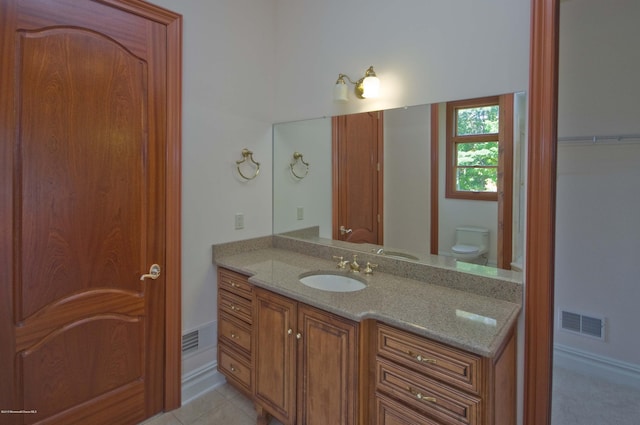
(390, 412)
(235, 332)
(453, 366)
(236, 306)
(234, 282)
(235, 366)
(448, 405)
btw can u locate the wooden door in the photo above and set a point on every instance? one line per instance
(275, 356)
(357, 177)
(327, 368)
(85, 165)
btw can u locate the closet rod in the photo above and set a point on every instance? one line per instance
(606, 139)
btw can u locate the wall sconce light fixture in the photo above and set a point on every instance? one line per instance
(367, 87)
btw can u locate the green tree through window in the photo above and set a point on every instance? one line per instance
(477, 162)
(473, 148)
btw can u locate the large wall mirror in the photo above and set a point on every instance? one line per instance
(304, 172)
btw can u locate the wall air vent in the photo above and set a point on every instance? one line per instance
(190, 341)
(582, 324)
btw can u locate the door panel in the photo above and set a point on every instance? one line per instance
(275, 354)
(87, 158)
(357, 177)
(78, 177)
(74, 376)
(327, 368)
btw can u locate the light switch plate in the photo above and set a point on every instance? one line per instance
(239, 221)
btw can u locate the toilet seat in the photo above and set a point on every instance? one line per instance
(465, 249)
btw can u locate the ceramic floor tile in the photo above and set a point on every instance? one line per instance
(228, 392)
(244, 404)
(202, 405)
(227, 414)
(164, 419)
(223, 406)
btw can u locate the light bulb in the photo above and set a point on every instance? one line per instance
(370, 87)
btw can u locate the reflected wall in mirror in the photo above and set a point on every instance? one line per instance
(406, 167)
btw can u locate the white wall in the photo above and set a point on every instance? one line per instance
(407, 176)
(598, 198)
(312, 138)
(422, 51)
(228, 86)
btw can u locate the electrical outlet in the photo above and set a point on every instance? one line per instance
(300, 213)
(239, 221)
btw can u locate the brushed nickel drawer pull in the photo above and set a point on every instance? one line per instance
(234, 336)
(421, 397)
(233, 369)
(419, 358)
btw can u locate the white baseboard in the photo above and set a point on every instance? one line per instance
(200, 381)
(595, 365)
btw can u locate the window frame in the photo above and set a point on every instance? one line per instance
(452, 139)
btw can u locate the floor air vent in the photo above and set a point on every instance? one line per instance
(582, 324)
(190, 341)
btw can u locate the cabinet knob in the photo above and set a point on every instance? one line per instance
(289, 331)
(298, 335)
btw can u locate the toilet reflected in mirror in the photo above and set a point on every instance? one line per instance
(471, 245)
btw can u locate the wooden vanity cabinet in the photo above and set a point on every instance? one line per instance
(235, 329)
(420, 381)
(305, 363)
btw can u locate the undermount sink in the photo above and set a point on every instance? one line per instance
(332, 281)
(400, 255)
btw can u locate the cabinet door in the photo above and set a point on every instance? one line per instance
(327, 368)
(275, 355)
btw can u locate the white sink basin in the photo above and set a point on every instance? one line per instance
(334, 282)
(400, 255)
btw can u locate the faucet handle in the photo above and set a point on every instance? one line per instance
(342, 263)
(369, 268)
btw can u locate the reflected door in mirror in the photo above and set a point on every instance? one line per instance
(357, 178)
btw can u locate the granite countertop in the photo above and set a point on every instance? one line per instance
(469, 321)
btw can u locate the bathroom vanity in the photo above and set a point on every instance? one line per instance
(399, 351)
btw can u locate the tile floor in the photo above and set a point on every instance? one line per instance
(577, 400)
(223, 406)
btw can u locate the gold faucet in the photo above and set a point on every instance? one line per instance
(354, 266)
(342, 263)
(369, 268)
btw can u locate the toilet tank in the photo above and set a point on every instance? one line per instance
(470, 235)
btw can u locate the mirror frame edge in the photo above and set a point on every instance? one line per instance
(541, 194)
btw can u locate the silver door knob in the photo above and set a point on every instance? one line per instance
(154, 273)
(343, 230)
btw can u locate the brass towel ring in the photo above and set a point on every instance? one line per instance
(298, 156)
(247, 155)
